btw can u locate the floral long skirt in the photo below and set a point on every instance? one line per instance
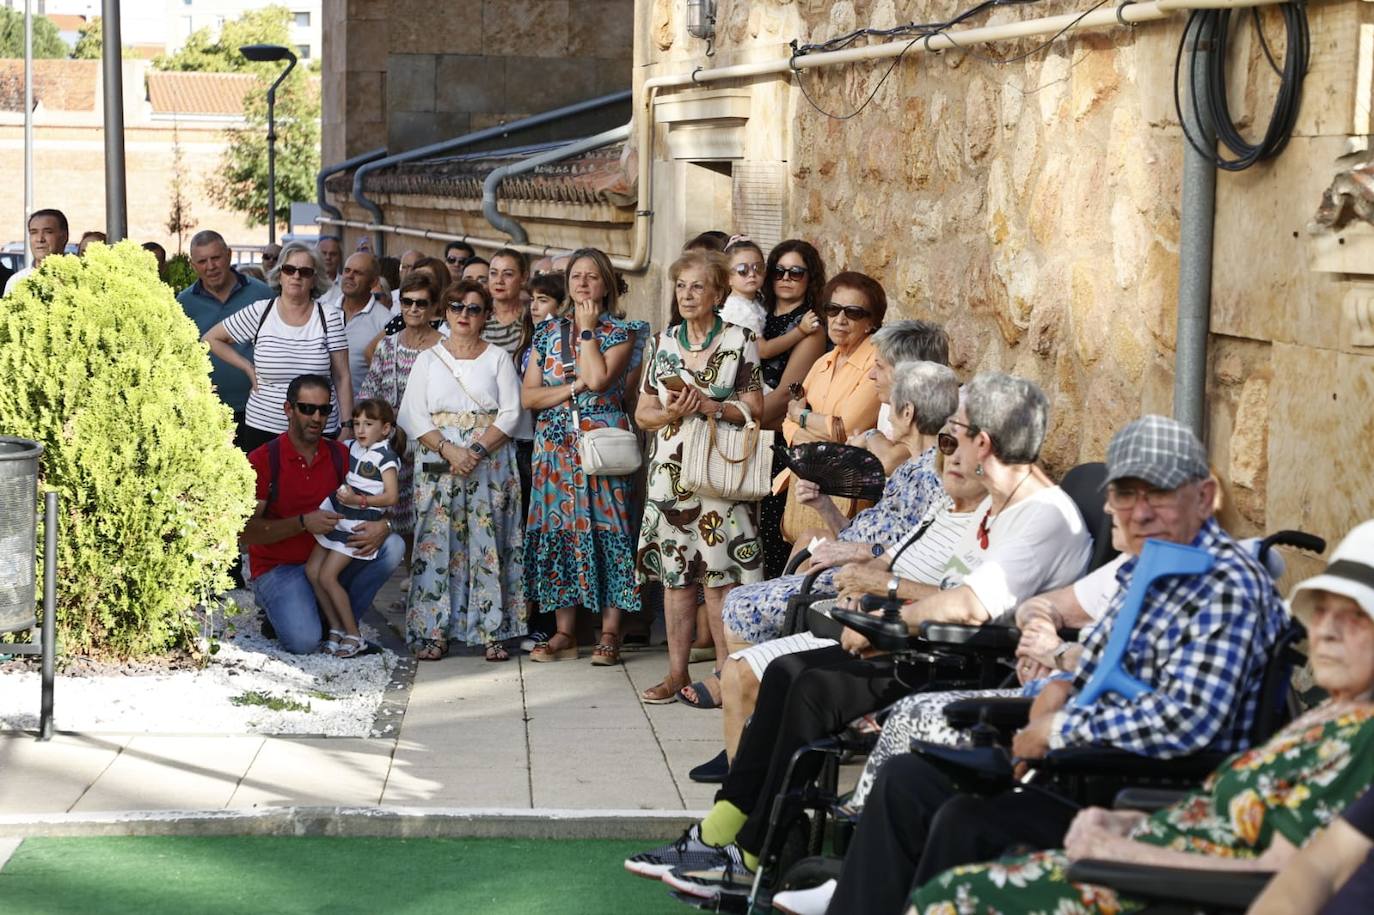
(468, 562)
(1033, 884)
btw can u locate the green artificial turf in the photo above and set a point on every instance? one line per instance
(154, 875)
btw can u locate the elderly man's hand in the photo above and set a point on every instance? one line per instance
(1039, 640)
(1052, 698)
(1033, 741)
(368, 537)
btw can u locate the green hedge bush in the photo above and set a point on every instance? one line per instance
(180, 273)
(100, 365)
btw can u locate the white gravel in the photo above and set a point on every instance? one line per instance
(343, 695)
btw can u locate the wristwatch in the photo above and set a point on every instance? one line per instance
(893, 584)
(878, 550)
(1059, 653)
(478, 449)
(586, 335)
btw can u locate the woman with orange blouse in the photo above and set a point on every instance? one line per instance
(840, 398)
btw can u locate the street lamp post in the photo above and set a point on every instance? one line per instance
(262, 53)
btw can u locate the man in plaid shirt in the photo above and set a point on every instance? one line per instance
(1200, 644)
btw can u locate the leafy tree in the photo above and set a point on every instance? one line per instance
(46, 41)
(179, 220)
(90, 42)
(206, 52)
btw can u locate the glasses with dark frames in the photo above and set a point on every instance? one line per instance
(789, 273)
(947, 443)
(852, 312)
(408, 302)
(306, 273)
(310, 409)
(472, 308)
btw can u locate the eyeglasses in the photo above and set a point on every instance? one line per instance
(407, 302)
(310, 409)
(750, 269)
(306, 273)
(971, 430)
(947, 443)
(472, 308)
(452, 259)
(852, 312)
(1126, 498)
(789, 273)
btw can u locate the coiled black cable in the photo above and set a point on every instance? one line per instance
(1210, 31)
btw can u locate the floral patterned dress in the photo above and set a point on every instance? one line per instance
(687, 539)
(386, 380)
(578, 546)
(1292, 786)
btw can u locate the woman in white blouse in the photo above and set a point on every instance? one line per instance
(462, 404)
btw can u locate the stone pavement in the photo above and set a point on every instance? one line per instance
(475, 734)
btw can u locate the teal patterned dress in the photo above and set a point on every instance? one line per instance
(577, 535)
(1292, 786)
(687, 539)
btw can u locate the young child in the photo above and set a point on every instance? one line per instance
(742, 306)
(369, 488)
(547, 300)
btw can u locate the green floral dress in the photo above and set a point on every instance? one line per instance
(1292, 786)
(687, 539)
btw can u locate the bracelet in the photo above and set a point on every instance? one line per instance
(801, 420)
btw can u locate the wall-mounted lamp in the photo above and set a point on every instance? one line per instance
(701, 18)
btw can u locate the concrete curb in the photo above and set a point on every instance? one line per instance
(381, 822)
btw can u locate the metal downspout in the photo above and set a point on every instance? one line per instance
(479, 136)
(503, 223)
(1197, 221)
(324, 173)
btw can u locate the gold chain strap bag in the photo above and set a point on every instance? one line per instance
(726, 461)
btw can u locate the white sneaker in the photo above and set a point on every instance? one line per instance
(806, 902)
(533, 639)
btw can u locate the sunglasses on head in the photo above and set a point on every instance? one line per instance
(748, 269)
(947, 443)
(310, 409)
(408, 302)
(472, 308)
(306, 273)
(852, 312)
(794, 273)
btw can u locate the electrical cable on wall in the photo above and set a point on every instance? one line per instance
(1210, 33)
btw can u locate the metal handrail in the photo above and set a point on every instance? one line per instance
(478, 136)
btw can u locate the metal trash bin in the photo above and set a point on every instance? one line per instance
(18, 528)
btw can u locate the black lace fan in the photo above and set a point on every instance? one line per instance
(839, 470)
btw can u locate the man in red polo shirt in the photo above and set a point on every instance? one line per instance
(279, 535)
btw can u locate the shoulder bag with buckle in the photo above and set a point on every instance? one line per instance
(608, 452)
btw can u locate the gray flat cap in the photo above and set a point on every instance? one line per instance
(1161, 451)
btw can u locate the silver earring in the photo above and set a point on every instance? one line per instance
(978, 470)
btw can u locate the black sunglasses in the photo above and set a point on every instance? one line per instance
(306, 273)
(947, 443)
(472, 308)
(408, 302)
(795, 273)
(455, 260)
(852, 312)
(310, 409)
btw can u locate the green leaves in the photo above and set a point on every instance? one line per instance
(101, 365)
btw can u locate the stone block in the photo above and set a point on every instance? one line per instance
(365, 94)
(535, 28)
(366, 45)
(603, 29)
(410, 129)
(410, 82)
(424, 27)
(541, 83)
(467, 83)
(614, 74)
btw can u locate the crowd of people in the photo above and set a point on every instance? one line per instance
(527, 449)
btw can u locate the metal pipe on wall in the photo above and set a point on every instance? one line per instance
(116, 197)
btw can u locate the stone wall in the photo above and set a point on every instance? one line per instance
(1033, 207)
(405, 73)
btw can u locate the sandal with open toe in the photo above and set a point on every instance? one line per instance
(350, 646)
(497, 652)
(607, 651)
(431, 649)
(697, 696)
(662, 694)
(331, 644)
(544, 652)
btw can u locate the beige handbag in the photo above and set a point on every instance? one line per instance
(727, 461)
(608, 452)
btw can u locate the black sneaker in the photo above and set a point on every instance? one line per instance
(712, 772)
(687, 851)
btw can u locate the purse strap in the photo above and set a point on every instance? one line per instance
(447, 358)
(570, 373)
(751, 435)
(906, 544)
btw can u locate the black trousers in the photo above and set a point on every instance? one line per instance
(915, 826)
(803, 697)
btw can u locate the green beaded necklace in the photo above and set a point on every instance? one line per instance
(716, 328)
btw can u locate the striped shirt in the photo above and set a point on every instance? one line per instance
(505, 336)
(924, 559)
(282, 352)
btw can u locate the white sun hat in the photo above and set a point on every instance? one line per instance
(1350, 574)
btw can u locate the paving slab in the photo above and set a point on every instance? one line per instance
(51, 776)
(173, 773)
(418, 786)
(295, 771)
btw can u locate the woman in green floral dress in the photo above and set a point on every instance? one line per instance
(1253, 812)
(700, 367)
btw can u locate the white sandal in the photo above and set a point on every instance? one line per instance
(351, 646)
(331, 644)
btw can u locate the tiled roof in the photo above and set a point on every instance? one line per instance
(593, 177)
(198, 93)
(66, 22)
(58, 85)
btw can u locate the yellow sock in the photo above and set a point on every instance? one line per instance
(722, 824)
(750, 861)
